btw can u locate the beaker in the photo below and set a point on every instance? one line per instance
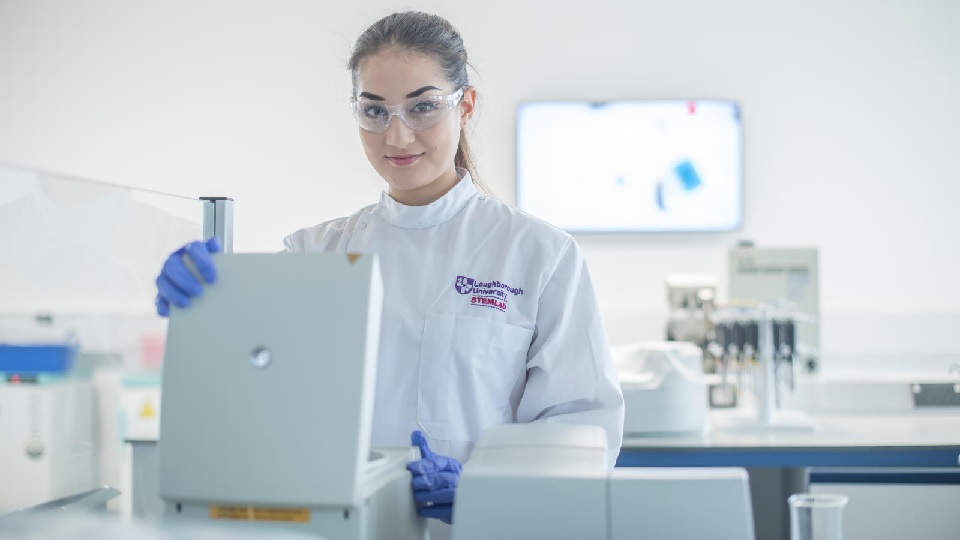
(816, 516)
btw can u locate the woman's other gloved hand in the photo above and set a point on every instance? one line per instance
(435, 479)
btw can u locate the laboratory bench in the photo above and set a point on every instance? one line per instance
(918, 449)
(928, 439)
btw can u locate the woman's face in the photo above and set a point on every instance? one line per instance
(417, 165)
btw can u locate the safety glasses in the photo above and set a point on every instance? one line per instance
(417, 113)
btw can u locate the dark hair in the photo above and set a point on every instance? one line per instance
(428, 35)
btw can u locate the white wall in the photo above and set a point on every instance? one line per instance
(852, 125)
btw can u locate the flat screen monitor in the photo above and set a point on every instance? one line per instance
(631, 165)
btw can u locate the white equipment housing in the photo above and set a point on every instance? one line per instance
(268, 385)
(786, 277)
(48, 445)
(664, 390)
(551, 481)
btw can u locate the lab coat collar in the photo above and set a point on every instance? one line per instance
(435, 213)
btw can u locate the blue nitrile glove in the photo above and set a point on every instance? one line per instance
(176, 284)
(435, 479)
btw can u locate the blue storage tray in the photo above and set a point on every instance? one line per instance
(36, 359)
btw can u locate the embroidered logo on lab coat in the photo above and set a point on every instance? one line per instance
(492, 294)
(464, 285)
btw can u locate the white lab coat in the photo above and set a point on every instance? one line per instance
(489, 317)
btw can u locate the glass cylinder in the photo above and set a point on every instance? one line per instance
(816, 516)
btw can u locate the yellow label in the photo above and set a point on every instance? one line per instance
(148, 411)
(253, 513)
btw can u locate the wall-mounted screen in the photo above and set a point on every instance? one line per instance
(631, 165)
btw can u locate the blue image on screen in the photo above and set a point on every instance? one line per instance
(632, 165)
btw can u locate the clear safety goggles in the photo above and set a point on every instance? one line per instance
(418, 113)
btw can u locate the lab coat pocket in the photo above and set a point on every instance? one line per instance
(470, 368)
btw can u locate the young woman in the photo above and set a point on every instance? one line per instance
(489, 314)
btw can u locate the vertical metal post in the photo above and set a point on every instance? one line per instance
(767, 403)
(218, 220)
